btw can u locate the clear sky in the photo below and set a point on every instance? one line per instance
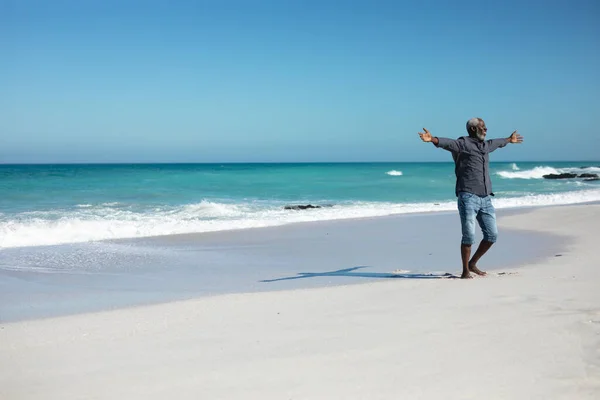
(250, 80)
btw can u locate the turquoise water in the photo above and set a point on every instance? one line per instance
(52, 204)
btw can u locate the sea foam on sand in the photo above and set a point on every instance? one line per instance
(531, 334)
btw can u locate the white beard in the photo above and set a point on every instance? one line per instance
(480, 136)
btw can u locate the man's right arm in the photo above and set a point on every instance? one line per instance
(444, 143)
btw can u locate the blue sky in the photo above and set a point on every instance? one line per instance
(218, 81)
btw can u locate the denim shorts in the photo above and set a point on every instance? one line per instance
(472, 207)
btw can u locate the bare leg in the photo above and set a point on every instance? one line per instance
(484, 246)
(465, 253)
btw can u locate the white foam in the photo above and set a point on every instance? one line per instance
(553, 199)
(394, 173)
(539, 172)
(90, 224)
(209, 209)
(535, 173)
(515, 167)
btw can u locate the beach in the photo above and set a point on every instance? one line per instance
(529, 330)
(204, 200)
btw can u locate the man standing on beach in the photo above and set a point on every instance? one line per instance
(473, 187)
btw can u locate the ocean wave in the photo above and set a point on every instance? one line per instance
(92, 224)
(394, 173)
(540, 171)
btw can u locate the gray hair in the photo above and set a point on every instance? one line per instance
(473, 123)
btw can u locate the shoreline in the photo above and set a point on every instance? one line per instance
(125, 273)
(305, 218)
(506, 211)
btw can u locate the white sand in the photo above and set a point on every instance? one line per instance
(534, 334)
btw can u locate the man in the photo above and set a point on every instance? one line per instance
(473, 187)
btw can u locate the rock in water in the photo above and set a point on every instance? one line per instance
(305, 207)
(560, 176)
(300, 207)
(568, 175)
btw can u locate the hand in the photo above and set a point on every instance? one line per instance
(425, 136)
(515, 138)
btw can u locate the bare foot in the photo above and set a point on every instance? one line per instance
(466, 275)
(473, 268)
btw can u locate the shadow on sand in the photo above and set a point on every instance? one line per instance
(350, 272)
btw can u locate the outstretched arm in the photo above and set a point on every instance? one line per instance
(497, 143)
(444, 143)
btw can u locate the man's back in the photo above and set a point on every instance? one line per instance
(471, 158)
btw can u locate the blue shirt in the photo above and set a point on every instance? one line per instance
(472, 162)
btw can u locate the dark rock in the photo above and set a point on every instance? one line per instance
(568, 175)
(305, 207)
(300, 207)
(592, 179)
(560, 176)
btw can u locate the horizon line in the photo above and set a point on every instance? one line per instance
(271, 162)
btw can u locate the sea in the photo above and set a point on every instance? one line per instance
(42, 205)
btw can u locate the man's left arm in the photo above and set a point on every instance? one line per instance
(494, 144)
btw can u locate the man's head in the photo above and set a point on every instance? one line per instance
(476, 128)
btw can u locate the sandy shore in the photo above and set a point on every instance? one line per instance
(52, 281)
(531, 333)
